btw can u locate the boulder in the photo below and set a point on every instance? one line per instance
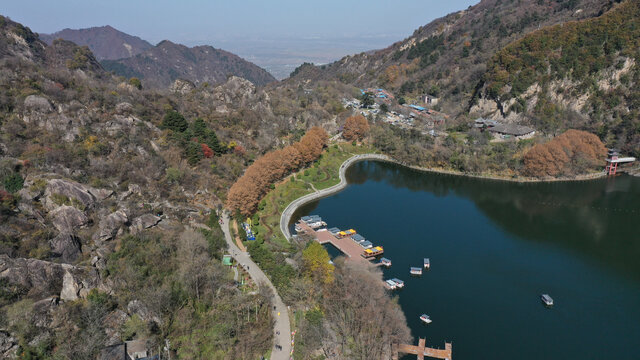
(69, 189)
(38, 104)
(67, 218)
(67, 247)
(70, 288)
(142, 222)
(110, 225)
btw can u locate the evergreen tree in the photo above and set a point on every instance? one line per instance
(174, 121)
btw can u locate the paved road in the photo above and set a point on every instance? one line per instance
(294, 205)
(282, 329)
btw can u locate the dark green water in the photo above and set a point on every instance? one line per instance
(494, 248)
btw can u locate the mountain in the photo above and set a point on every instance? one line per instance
(581, 74)
(161, 65)
(449, 56)
(105, 42)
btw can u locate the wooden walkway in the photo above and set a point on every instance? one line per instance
(348, 247)
(421, 350)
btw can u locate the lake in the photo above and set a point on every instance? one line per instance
(495, 247)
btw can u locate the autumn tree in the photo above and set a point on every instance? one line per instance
(355, 128)
(316, 263)
(574, 152)
(246, 193)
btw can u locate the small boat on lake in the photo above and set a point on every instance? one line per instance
(385, 262)
(390, 284)
(547, 300)
(399, 283)
(415, 271)
(425, 318)
(426, 263)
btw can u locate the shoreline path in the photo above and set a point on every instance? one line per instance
(294, 205)
(282, 327)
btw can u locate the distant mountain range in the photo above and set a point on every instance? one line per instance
(105, 42)
(159, 66)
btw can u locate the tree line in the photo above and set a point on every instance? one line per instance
(573, 152)
(246, 193)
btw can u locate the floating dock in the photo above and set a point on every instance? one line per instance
(348, 247)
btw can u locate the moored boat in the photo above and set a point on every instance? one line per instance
(390, 284)
(427, 263)
(425, 319)
(385, 262)
(378, 250)
(399, 283)
(415, 271)
(547, 300)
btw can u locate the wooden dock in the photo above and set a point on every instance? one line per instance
(348, 247)
(421, 350)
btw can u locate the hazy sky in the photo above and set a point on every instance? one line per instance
(202, 21)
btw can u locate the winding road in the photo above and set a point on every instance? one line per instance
(282, 327)
(294, 205)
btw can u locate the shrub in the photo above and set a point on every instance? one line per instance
(13, 182)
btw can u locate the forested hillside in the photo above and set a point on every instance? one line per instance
(581, 74)
(448, 57)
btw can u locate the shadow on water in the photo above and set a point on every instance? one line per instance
(599, 218)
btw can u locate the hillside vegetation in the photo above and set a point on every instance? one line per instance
(448, 57)
(579, 74)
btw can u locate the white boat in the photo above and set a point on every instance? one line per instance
(399, 283)
(425, 319)
(415, 271)
(547, 300)
(385, 262)
(391, 284)
(427, 263)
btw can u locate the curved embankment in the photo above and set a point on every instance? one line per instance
(294, 205)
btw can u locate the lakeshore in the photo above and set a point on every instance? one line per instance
(286, 216)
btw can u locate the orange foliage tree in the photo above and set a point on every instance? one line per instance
(355, 128)
(571, 153)
(246, 193)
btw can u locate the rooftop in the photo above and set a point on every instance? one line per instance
(511, 129)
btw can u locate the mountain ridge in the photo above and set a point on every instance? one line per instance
(106, 42)
(166, 62)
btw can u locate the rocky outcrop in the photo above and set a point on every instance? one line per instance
(43, 279)
(66, 247)
(67, 218)
(69, 189)
(136, 307)
(110, 225)
(182, 86)
(35, 103)
(8, 345)
(142, 222)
